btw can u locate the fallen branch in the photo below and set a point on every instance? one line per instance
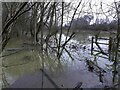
(92, 63)
(48, 77)
(79, 84)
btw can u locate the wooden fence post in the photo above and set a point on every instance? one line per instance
(92, 45)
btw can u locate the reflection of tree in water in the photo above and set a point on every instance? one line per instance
(32, 19)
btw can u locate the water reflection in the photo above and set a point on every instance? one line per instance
(61, 72)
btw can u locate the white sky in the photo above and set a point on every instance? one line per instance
(95, 4)
(96, 8)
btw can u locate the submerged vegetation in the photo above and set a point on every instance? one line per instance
(50, 42)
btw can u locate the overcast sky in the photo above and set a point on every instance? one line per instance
(96, 8)
(95, 4)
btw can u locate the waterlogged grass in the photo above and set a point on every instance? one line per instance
(25, 61)
(20, 63)
(14, 43)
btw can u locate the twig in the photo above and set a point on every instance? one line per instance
(71, 36)
(68, 53)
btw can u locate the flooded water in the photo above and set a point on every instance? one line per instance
(23, 68)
